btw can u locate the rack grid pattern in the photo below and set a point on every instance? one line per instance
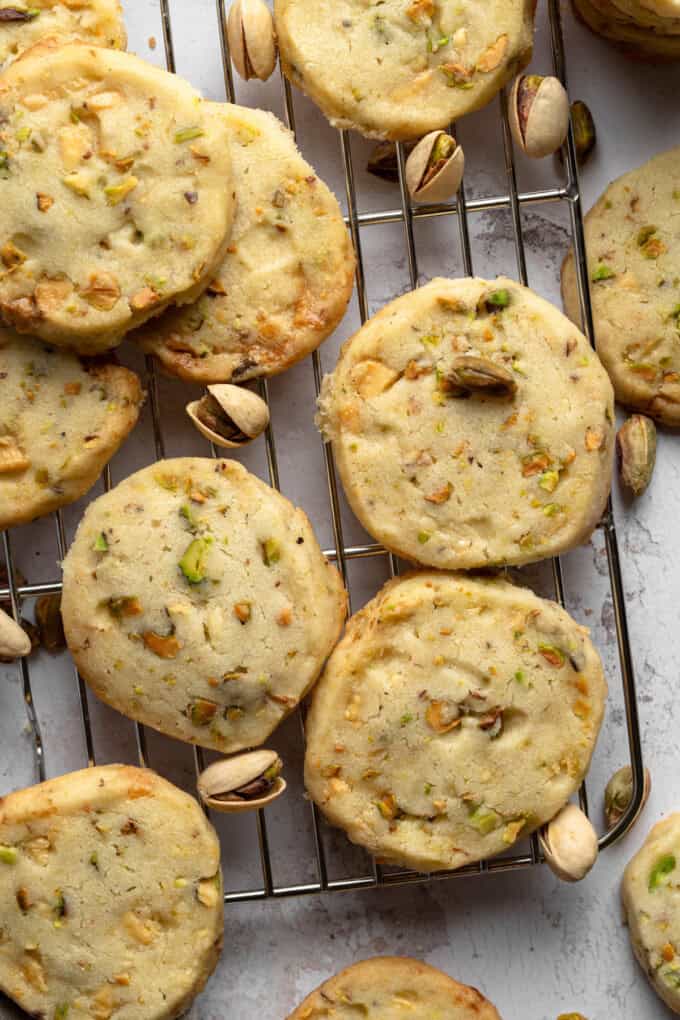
(356, 221)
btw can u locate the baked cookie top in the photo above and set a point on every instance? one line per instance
(637, 41)
(23, 23)
(287, 276)
(112, 897)
(61, 421)
(385, 987)
(472, 425)
(401, 68)
(196, 600)
(650, 888)
(115, 186)
(633, 245)
(456, 716)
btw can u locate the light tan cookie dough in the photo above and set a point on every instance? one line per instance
(636, 41)
(25, 22)
(111, 897)
(633, 246)
(461, 479)
(651, 891)
(115, 186)
(401, 68)
(287, 276)
(61, 421)
(196, 600)
(456, 716)
(391, 987)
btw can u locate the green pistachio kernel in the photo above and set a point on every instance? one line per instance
(485, 819)
(8, 854)
(520, 676)
(61, 1011)
(549, 480)
(644, 234)
(424, 536)
(552, 509)
(602, 272)
(428, 789)
(100, 543)
(202, 711)
(497, 299)
(192, 563)
(94, 860)
(661, 869)
(188, 134)
(187, 513)
(271, 552)
(406, 719)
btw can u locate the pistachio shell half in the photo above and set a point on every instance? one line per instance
(539, 114)
(229, 415)
(569, 844)
(14, 641)
(245, 782)
(435, 168)
(251, 38)
(619, 793)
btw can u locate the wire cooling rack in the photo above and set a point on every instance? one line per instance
(458, 211)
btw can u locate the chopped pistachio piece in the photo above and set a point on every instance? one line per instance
(661, 870)
(100, 543)
(602, 272)
(485, 819)
(271, 552)
(188, 134)
(8, 854)
(192, 563)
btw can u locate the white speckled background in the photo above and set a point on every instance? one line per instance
(534, 946)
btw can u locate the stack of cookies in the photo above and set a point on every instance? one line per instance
(644, 29)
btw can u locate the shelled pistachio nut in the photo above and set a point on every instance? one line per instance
(243, 783)
(539, 114)
(636, 444)
(251, 38)
(618, 794)
(49, 623)
(14, 641)
(229, 415)
(469, 374)
(435, 168)
(569, 844)
(585, 135)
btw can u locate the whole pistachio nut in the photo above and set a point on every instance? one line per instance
(618, 794)
(569, 844)
(14, 641)
(585, 135)
(435, 168)
(245, 782)
(229, 416)
(251, 38)
(539, 114)
(49, 623)
(470, 375)
(636, 444)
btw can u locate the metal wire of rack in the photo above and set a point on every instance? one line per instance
(341, 553)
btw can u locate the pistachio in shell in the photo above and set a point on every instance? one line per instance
(539, 114)
(14, 641)
(618, 794)
(435, 168)
(469, 375)
(245, 782)
(229, 416)
(569, 844)
(636, 445)
(251, 38)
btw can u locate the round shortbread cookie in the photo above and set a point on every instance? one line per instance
(196, 600)
(636, 42)
(650, 888)
(287, 276)
(111, 897)
(61, 421)
(115, 186)
(403, 67)
(456, 716)
(463, 483)
(633, 245)
(390, 987)
(25, 22)
(634, 12)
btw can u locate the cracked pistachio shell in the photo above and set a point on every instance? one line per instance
(636, 444)
(619, 793)
(251, 38)
(539, 114)
(14, 641)
(229, 416)
(435, 168)
(231, 784)
(569, 844)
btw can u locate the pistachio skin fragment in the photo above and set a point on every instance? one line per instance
(539, 115)
(569, 844)
(585, 135)
(636, 446)
(252, 39)
(619, 793)
(14, 641)
(435, 168)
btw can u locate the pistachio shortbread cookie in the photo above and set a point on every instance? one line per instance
(22, 24)
(387, 987)
(472, 425)
(61, 421)
(115, 188)
(635, 40)
(636, 13)
(196, 600)
(287, 276)
(650, 889)
(399, 69)
(111, 897)
(455, 716)
(633, 245)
